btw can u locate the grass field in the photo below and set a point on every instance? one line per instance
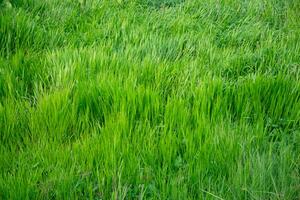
(150, 99)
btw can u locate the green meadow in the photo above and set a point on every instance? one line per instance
(150, 99)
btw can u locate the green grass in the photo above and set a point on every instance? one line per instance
(149, 99)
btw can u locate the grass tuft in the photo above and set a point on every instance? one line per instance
(149, 99)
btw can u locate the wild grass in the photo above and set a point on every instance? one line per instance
(149, 99)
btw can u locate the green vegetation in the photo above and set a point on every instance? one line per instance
(149, 99)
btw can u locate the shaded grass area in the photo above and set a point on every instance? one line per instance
(145, 99)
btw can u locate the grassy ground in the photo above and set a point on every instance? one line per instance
(149, 99)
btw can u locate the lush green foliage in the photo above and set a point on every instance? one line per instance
(149, 99)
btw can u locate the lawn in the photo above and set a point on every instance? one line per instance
(150, 99)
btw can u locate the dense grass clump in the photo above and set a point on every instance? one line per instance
(149, 99)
